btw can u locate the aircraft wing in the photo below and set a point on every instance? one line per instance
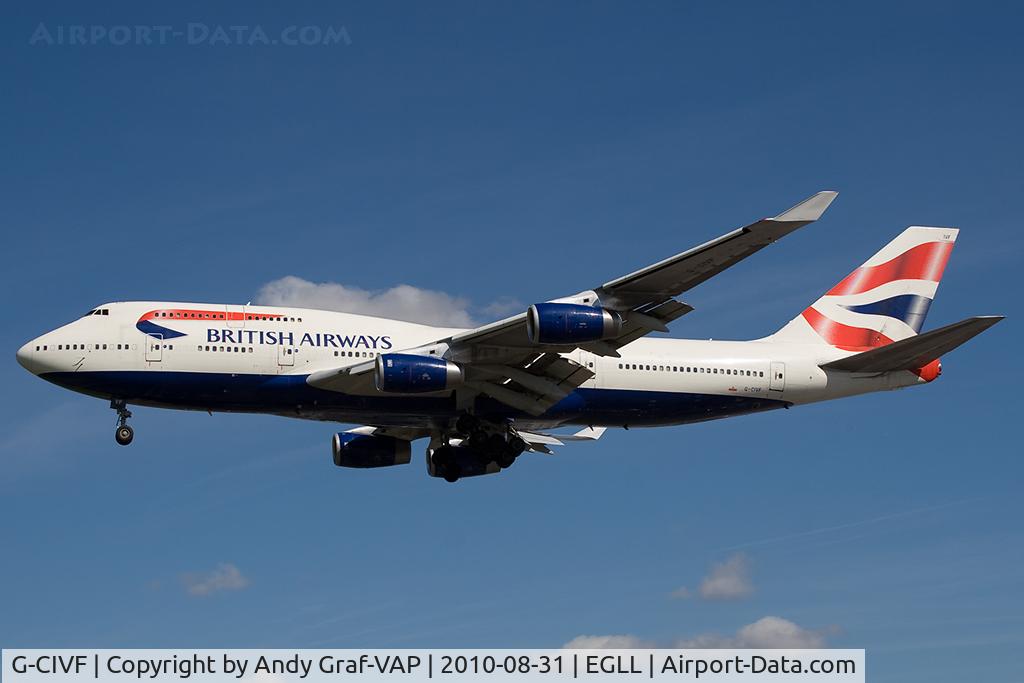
(650, 291)
(500, 360)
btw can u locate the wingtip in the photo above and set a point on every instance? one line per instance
(810, 209)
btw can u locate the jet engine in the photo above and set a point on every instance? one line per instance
(367, 450)
(570, 323)
(402, 373)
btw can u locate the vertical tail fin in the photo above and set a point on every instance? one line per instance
(884, 300)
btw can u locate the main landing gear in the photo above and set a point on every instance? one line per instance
(481, 448)
(123, 434)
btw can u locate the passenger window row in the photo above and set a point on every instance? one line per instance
(693, 369)
(219, 316)
(277, 318)
(179, 314)
(170, 347)
(85, 347)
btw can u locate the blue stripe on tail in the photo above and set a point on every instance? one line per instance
(910, 308)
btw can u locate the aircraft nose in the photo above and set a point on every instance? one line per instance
(27, 357)
(25, 354)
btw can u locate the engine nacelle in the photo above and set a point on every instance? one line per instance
(402, 373)
(570, 323)
(366, 450)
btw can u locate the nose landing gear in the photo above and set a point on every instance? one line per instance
(123, 434)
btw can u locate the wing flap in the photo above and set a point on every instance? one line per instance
(527, 401)
(542, 385)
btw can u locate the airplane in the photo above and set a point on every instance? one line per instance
(485, 396)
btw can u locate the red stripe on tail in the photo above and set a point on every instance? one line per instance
(843, 336)
(923, 262)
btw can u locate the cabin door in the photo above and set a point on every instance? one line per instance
(777, 380)
(154, 347)
(285, 355)
(235, 315)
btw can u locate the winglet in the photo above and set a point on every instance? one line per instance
(808, 210)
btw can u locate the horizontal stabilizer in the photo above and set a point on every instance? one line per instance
(538, 441)
(588, 434)
(915, 352)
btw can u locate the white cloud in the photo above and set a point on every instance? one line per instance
(766, 632)
(729, 580)
(779, 632)
(402, 302)
(225, 577)
(607, 643)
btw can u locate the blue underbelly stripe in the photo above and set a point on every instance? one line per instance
(292, 395)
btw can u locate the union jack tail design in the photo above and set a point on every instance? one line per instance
(884, 300)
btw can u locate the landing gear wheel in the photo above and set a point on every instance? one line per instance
(451, 473)
(124, 435)
(506, 460)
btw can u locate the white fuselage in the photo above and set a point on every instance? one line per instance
(256, 359)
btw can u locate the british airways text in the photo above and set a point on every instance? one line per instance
(270, 337)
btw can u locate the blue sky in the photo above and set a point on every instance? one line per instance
(513, 155)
